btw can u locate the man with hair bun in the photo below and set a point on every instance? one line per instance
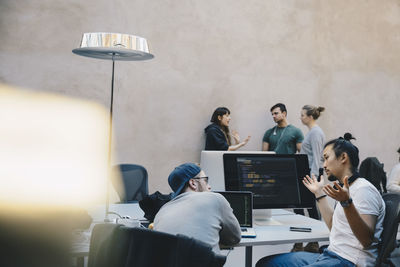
(355, 223)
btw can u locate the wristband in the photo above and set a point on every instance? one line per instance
(318, 198)
(346, 203)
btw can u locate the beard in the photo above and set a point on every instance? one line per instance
(332, 178)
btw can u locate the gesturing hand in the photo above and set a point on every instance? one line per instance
(341, 193)
(247, 139)
(313, 185)
(235, 136)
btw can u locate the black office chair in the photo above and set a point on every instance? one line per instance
(119, 246)
(372, 170)
(390, 224)
(134, 180)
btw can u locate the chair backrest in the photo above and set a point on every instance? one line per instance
(372, 170)
(120, 246)
(390, 225)
(135, 185)
(151, 204)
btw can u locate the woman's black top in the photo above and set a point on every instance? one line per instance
(215, 138)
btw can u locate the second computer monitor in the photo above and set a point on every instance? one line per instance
(275, 180)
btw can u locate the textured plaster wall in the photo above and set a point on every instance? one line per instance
(246, 55)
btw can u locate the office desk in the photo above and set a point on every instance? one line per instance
(280, 234)
(132, 210)
(266, 235)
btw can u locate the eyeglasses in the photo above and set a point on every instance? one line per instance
(205, 178)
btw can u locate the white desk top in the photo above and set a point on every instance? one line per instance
(280, 234)
(266, 235)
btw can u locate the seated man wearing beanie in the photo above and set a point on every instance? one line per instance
(196, 212)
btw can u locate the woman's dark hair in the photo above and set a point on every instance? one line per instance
(313, 111)
(221, 111)
(343, 145)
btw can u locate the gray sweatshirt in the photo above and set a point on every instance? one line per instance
(205, 216)
(312, 146)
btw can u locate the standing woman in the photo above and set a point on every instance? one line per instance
(218, 136)
(313, 143)
(312, 146)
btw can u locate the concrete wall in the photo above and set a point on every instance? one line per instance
(246, 55)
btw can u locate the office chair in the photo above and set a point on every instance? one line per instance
(134, 179)
(372, 170)
(119, 246)
(390, 225)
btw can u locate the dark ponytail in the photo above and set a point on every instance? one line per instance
(343, 145)
(348, 137)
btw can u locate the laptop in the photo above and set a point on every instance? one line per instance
(242, 205)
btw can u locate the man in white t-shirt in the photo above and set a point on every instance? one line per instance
(355, 224)
(393, 183)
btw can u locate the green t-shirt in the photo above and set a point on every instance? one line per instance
(283, 140)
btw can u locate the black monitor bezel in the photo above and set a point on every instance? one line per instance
(250, 205)
(307, 199)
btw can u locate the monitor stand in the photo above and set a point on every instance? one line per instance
(264, 217)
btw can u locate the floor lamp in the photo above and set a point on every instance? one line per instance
(113, 46)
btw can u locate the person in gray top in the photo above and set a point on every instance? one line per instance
(196, 212)
(393, 183)
(313, 143)
(312, 146)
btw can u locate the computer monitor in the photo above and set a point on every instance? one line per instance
(275, 180)
(211, 162)
(242, 205)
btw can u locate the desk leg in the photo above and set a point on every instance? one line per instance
(249, 256)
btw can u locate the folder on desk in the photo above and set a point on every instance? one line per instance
(242, 205)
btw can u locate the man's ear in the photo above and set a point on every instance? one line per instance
(343, 157)
(284, 112)
(192, 184)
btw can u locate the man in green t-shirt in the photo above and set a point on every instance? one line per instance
(283, 138)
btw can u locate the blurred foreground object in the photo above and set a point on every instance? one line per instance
(53, 165)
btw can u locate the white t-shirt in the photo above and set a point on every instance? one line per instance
(367, 200)
(393, 183)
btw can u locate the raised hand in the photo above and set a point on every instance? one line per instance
(246, 140)
(339, 194)
(313, 185)
(235, 136)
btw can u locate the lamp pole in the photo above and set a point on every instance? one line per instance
(113, 46)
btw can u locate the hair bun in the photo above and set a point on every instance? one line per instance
(348, 137)
(320, 109)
